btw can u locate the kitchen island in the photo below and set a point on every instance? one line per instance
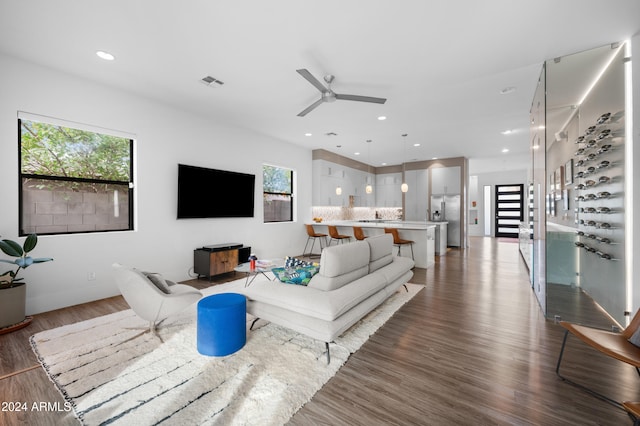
(423, 234)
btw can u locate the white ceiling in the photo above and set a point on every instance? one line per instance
(441, 65)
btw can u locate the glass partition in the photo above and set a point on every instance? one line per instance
(584, 187)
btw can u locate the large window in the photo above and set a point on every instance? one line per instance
(73, 180)
(278, 194)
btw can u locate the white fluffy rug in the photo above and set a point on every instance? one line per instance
(111, 374)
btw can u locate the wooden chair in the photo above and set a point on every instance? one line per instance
(633, 409)
(397, 241)
(358, 233)
(613, 344)
(334, 235)
(312, 236)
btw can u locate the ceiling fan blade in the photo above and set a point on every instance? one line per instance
(311, 79)
(311, 107)
(361, 98)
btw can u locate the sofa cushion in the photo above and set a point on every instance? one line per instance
(348, 296)
(341, 264)
(380, 248)
(324, 305)
(395, 269)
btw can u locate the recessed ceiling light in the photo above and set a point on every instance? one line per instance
(507, 90)
(434, 158)
(308, 134)
(356, 153)
(416, 144)
(382, 117)
(105, 55)
(384, 164)
(506, 132)
(505, 150)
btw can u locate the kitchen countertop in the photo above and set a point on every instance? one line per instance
(380, 223)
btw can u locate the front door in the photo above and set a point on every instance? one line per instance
(509, 210)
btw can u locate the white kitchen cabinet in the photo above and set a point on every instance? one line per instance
(445, 180)
(327, 176)
(388, 192)
(416, 200)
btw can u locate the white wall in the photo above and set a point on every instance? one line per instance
(492, 179)
(164, 138)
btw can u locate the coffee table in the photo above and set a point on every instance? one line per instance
(262, 267)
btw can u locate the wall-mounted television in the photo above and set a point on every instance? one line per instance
(204, 192)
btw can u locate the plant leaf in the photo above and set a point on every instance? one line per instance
(42, 259)
(30, 243)
(13, 262)
(11, 248)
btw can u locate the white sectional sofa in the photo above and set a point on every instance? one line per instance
(353, 279)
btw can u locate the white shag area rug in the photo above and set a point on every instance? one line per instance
(111, 374)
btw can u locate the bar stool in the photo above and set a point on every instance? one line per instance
(312, 236)
(333, 233)
(397, 241)
(358, 233)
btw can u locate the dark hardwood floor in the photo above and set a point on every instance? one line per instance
(472, 347)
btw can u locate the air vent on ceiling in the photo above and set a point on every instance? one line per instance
(211, 81)
(331, 134)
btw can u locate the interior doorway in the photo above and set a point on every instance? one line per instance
(486, 202)
(509, 207)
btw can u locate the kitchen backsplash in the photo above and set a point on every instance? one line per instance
(329, 213)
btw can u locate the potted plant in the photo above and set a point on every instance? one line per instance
(13, 289)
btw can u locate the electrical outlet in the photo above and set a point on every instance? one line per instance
(91, 276)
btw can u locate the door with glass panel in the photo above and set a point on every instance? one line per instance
(509, 210)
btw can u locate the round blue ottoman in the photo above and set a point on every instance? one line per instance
(222, 324)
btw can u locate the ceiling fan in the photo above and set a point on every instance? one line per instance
(329, 95)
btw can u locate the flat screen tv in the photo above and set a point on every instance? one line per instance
(204, 193)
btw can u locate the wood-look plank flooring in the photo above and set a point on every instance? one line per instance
(472, 347)
(575, 305)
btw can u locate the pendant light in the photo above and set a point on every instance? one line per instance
(368, 188)
(404, 187)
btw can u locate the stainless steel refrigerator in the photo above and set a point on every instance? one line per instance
(448, 207)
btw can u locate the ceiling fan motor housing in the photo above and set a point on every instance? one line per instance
(328, 95)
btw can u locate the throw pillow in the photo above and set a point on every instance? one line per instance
(635, 337)
(158, 281)
(299, 276)
(292, 262)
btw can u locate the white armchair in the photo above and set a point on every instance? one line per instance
(151, 297)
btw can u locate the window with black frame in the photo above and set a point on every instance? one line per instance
(277, 194)
(73, 180)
